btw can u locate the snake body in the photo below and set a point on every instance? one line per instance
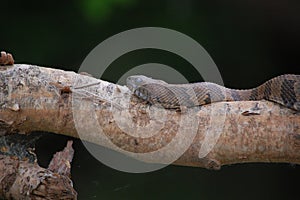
(284, 90)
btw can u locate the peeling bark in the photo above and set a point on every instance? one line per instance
(25, 180)
(43, 99)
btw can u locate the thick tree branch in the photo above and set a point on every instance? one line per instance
(40, 99)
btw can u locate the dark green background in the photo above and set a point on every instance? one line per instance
(250, 41)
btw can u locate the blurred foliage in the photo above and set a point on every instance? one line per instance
(98, 10)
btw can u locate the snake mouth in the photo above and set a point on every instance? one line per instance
(130, 84)
(142, 93)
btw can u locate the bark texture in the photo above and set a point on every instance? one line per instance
(26, 180)
(43, 99)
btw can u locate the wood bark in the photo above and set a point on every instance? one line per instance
(21, 179)
(34, 98)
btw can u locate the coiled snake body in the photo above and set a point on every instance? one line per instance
(284, 90)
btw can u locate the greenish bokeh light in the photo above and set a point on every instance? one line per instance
(99, 10)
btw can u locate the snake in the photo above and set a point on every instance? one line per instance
(283, 90)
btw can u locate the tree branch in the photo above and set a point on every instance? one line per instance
(43, 99)
(21, 179)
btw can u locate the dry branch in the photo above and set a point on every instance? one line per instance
(40, 99)
(21, 179)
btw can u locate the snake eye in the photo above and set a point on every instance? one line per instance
(138, 80)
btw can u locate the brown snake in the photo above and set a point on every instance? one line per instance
(284, 90)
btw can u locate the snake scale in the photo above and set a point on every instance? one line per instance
(284, 90)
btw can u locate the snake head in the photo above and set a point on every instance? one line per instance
(136, 81)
